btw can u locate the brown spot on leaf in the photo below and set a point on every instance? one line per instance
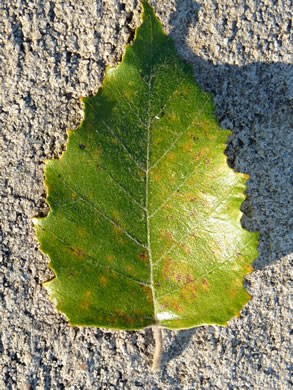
(148, 292)
(236, 286)
(118, 233)
(155, 174)
(129, 320)
(140, 173)
(177, 305)
(85, 303)
(189, 196)
(177, 272)
(128, 94)
(188, 292)
(188, 278)
(120, 313)
(143, 256)
(171, 117)
(109, 259)
(171, 156)
(187, 146)
(117, 230)
(164, 305)
(116, 217)
(186, 248)
(96, 154)
(167, 235)
(78, 252)
(158, 140)
(129, 268)
(248, 268)
(196, 157)
(168, 269)
(204, 284)
(179, 278)
(82, 232)
(173, 304)
(103, 280)
(60, 304)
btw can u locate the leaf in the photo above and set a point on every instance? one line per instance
(144, 223)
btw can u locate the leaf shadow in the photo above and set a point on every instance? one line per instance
(178, 345)
(255, 102)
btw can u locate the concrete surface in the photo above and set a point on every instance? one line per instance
(53, 52)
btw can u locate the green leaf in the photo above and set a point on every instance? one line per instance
(144, 226)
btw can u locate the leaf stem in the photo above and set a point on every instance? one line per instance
(157, 334)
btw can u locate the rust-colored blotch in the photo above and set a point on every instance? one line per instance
(85, 304)
(143, 256)
(149, 294)
(204, 285)
(103, 280)
(188, 292)
(129, 268)
(78, 252)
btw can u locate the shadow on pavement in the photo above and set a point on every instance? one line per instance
(255, 102)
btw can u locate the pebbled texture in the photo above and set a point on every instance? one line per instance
(53, 52)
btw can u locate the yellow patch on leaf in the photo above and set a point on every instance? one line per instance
(103, 280)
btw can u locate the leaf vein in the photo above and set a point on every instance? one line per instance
(190, 231)
(178, 188)
(130, 106)
(176, 139)
(118, 140)
(104, 215)
(217, 267)
(92, 261)
(117, 183)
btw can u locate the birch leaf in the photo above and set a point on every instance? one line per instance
(144, 223)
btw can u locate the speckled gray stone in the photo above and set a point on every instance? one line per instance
(53, 52)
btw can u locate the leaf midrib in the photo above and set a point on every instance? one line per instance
(147, 179)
